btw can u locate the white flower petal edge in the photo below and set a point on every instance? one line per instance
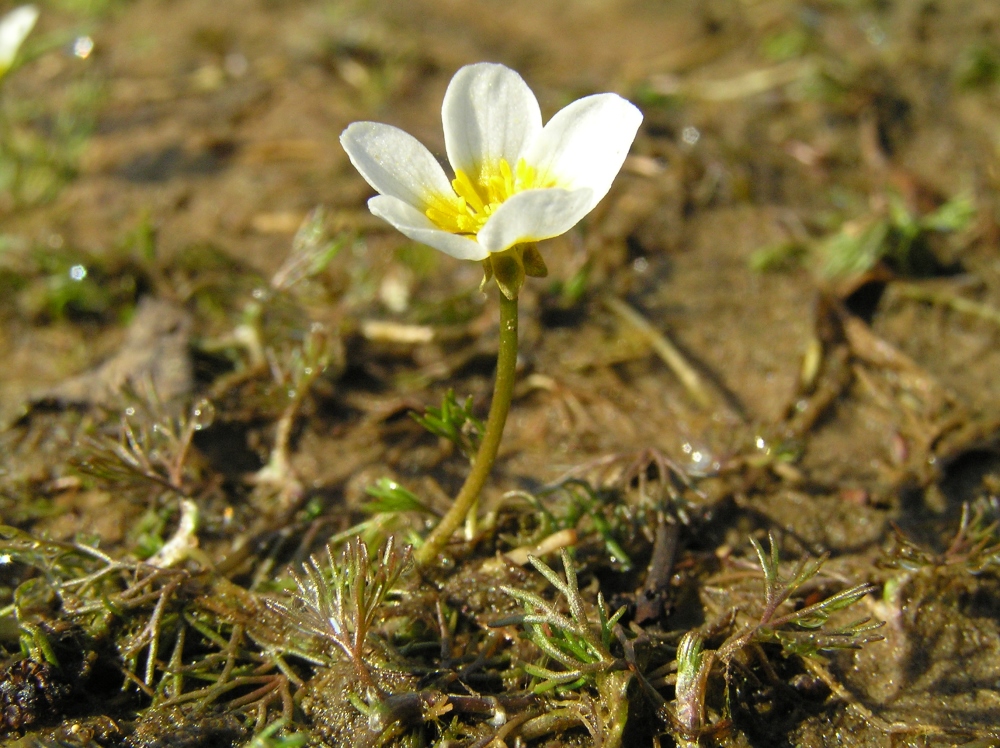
(395, 163)
(14, 27)
(413, 224)
(586, 142)
(534, 215)
(488, 113)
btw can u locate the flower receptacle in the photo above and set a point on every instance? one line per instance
(511, 266)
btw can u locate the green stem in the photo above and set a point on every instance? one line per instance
(503, 391)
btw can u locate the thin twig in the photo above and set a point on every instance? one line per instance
(942, 298)
(666, 350)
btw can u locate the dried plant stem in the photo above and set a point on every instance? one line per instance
(666, 350)
(503, 392)
(948, 299)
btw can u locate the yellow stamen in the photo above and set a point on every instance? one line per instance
(474, 200)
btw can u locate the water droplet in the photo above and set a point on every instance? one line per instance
(82, 47)
(203, 415)
(690, 135)
(874, 33)
(78, 272)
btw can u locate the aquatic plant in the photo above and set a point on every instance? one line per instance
(339, 603)
(801, 631)
(974, 548)
(516, 183)
(580, 648)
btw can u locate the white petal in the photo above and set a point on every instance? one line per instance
(585, 144)
(412, 223)
(395, 163)
(14, 27)
(534, 215)
(489, 113)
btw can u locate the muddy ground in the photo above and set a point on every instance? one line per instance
(807, 222)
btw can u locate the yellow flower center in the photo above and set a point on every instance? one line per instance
(474, 200)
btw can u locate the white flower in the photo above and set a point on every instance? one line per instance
(14, 27)
(516, 182)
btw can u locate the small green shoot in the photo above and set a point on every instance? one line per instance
(956, 214)
(271, 737)
(800, 632)
(293, 371)
(894, 234)
(574, 504)
(975, 547)
(54, 283)
(455, 422)
(782, 255)
(571, 291)
(339, 602)
(853, 250)
(693, 669)
(803, 631)
(389, 496)
(153, 446)
(978, 67)
(312, 251)
(579, 646)
(786, 45)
